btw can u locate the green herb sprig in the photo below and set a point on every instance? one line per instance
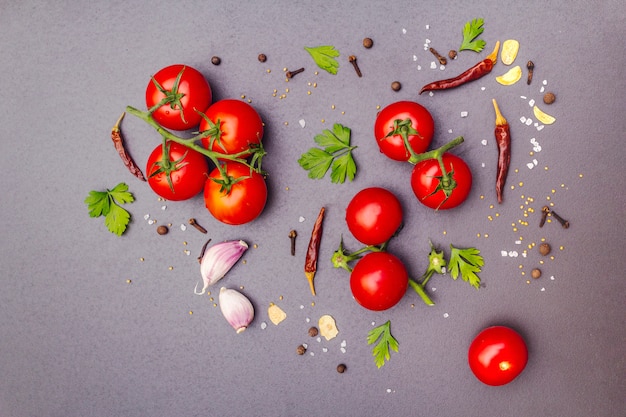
(324, 56)
(466, 263)
(107, 204)
(386, 343)
(472, 30)
(336, 154)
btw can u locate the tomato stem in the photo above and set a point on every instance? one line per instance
(435, 153)
(258, 151)
(419, 289)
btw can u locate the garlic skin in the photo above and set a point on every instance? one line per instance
(236, 308)
(218, 260)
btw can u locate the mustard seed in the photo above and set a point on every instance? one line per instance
(368, 43)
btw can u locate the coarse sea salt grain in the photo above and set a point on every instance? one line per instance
(343, 343)
(433, 65)
(482, 164)
(522, 119)
(324, 349)
(530, 165)
(535, 162)
(544, 82)
(301, 219)
(529, 122)
(307, 320)
(146, 217)
(446, 315)
(540, 127)
(442, 67)
(504, 253)
(301, 307)
(302, 123)
(513, 254)
(163, 207)
(263, 325)
(183, 227)
(414, 57)
(150, 221)
(419, 67)
(531, 102)
(523, 97)
(404, 31)
(343, 350)
(542, 89)
(537, 148)
(464, 114)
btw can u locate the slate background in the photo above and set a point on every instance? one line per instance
(78, 340)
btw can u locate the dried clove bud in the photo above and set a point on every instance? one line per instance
(531, 67)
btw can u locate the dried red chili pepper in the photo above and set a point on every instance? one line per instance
(503, 140)
(479, 70)
(118, 141)
(310, 263)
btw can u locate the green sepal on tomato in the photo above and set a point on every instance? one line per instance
(176, 172)
(234, 127)
(441, 190)
(234, 193)
(176, 95)
(400, 124)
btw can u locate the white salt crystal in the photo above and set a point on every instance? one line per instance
(146, 217)
(529, 122)
(530, 165)
(463, 114)
(302, 123)
(522, 119)
(531, 102)
(433, 65)
(263, 326)
(183, 227)
(504, 253)
(301, 219)
(484, 142)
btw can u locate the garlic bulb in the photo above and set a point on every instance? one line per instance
(236, 308)
(218, 260)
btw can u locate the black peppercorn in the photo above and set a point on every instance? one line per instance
(535, 273)
(368, 43)
(549, 98)
(313, 331)
(216, 60)
(301, 350)
(341, 368)
(162, 230)
(262, 58)
(396, 86)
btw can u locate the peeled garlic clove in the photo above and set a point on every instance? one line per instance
(218, 260)
(510, 47)
(236, 308)
(543, 117)
(328, 327)
(511, 76)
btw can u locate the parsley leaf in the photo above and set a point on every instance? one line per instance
(107, 203)
(467, 263)
(382, 335)
(335, 155)
(324, 56)
(472, 30)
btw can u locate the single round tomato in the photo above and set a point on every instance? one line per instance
(178, 177)
(241, 202)
(406, 117)
(497, 355)
(183, 92)
(379, 281)
(439, 192)
(374, 215)
(235, 126)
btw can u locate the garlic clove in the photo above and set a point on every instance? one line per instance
(218, 260)
(236, 308)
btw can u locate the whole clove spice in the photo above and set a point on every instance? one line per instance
(291, 74)
(531, 67)
(561, 220)
(442, 60)
(292, 236)
(195, 224)
(352, 60)
(545, 210)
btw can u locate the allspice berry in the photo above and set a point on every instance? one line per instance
(341, 368)
(535, 273)
(301, 350)
(162, 230)
(313, 331)
(549, 98)
(262, 58)
(216, 60)
(368, 43)
(396, 86)
(452, 54)
(544, 249)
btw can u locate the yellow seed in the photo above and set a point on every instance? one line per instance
(332, 107)
(190, 312)
(128, 281)
(141, 259)
(268, 70)
(308, 92)
(171, 268)
(255, 246)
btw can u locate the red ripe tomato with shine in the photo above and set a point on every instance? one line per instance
(497, 355)
(189, 170)
(243, 202)
(378, 281)
(427, 182)
(400, 116)
(184, 92)
(235, 127)
(374, 215)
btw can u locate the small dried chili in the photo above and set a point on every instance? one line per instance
(310, 263)
(503, 140)
(118, 141)
(479, 70)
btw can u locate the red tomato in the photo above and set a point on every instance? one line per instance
(374, 215)
(379, 281)
(188, 171)
(235, 127)
(428, 187)
(497, 355)
(245, 200)
(415, 118)
(180, 103)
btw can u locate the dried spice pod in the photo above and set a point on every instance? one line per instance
(310, 263)
(503, 140)
(118, 142)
